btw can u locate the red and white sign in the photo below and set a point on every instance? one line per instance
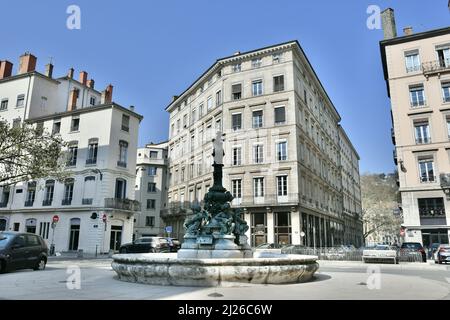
(55, 218)
(104, 217)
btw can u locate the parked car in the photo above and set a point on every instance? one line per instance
(271, 246)
(174, 244)
(22, 251)
(294, 249)
(442, 254)
(413, 248)
(381, 252)
(146, 245)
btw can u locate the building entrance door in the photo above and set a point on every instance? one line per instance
(74, 235)
(116, 238)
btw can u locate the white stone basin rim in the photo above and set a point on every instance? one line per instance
(157, 269)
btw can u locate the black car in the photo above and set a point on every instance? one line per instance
(174, 244)
(146, 245)
(22, 251)
(411, 248)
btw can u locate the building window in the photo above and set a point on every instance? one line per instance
(92, 101)
(412, 61)
(123, 154)
(193, 115)
(431, 207)
(426, 169)
(20, 100)
(151, 187)
(236, 91)
(153, 154)
(152, 171)
(276, 58)
(185, 121)
(258, 187)
(446, 91)
(282, 186)
(444, 56)
(121, 189)
(4, 197)
(44, 228)
(258, 153)
(209, 103)
(73, 154)
(125, 123)
(257, 88)
(219, 125)
(151, 204)
(31, 194)
(422, 131)
(68, 192)
(172, 129)
(16, 123)
(4, 104)
(280, 115)
(417, 95)
(257, 119)
(149, 221)
(200, 111)
(448, 126)
(282, 151)
(218, 98)
(92, 151)
(236, 188)
(256, 63)
(237, 155)
(88, 190)
(75, 125)
(278, 83)
(56, 127)
(39, 128)
(236, 120)
(236, 67)
(49, 192)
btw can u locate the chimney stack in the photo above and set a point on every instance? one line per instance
(70, 73)
(83, 77)
(388, 23)
(408, 31)
(132, 108)
(91, 83)
(107, 95)
(73, 100)
(49, 70)
(237, 53)
(27, 63)
(5, 69)
(174, 98)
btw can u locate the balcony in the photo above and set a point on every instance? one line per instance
(91, 161)
(122, 204)
(66, 202)
(435, 67)
(269, 200)
(47, 203)
(428, 179)
(445, 180)
(29, 203)
(87, 201)
(179, 207)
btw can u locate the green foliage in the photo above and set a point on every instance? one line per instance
(29, 153)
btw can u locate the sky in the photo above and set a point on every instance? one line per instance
(152, 50)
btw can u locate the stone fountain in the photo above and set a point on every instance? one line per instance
(215, 250)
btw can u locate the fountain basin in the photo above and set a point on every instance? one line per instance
(167, 269)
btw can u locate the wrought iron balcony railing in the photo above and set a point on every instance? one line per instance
(29, 203)
(122, 204)
(87, 201)
(47, 203)
(437, 66)
(66, 202)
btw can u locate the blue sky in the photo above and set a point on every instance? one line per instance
(151, 50)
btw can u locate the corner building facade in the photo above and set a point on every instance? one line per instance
(282, 149)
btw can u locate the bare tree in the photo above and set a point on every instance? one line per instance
(27, 152)
(379, 200)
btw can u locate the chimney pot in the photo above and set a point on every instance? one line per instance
(388, 23)
(132, 108)
(408, 31)
(83, 77)
(27, 63)
(70, 73)
(237, 53)
(49, 70)
(5, 69)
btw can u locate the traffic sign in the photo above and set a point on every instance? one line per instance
(169, 229)
(55, 218)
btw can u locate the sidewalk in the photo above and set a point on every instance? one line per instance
(78, 256)
(429, 265)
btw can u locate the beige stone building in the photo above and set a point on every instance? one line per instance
(151, 192)
(287, 160)
(417, 72)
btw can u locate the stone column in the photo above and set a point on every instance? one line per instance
(248, 219)
(270, 226)
(295, 226)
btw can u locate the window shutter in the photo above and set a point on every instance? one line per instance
(236, 88)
